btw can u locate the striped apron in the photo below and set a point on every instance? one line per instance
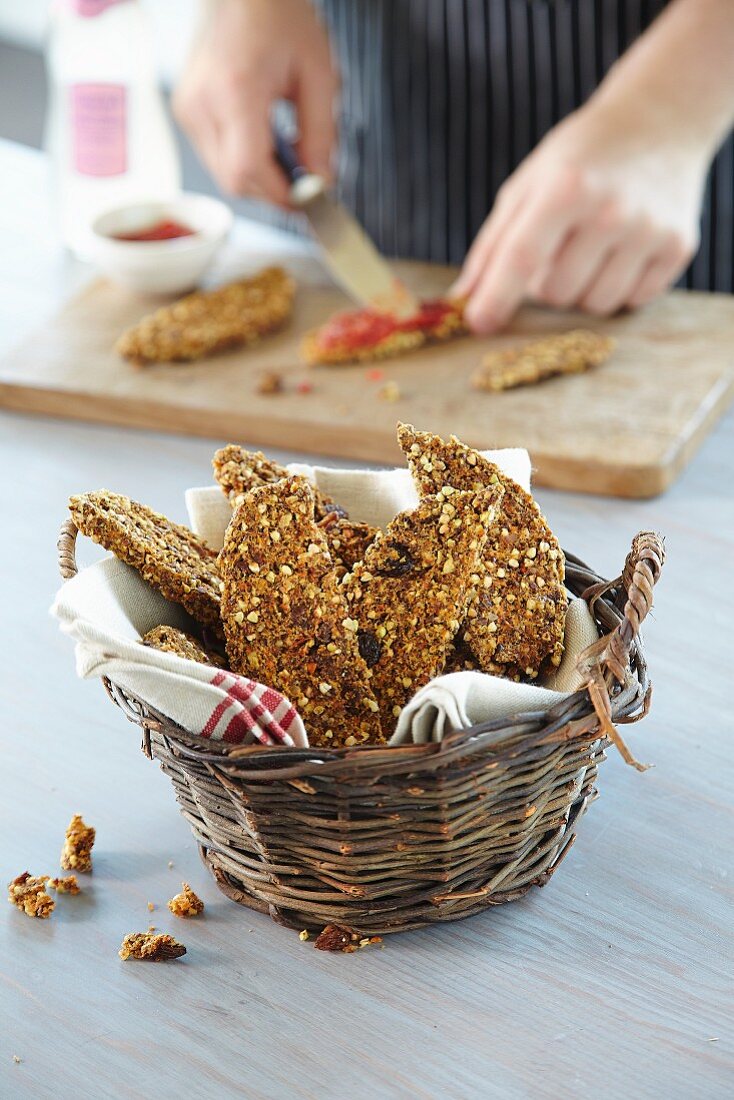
(442, 99)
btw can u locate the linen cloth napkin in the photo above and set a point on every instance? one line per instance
(107, 607)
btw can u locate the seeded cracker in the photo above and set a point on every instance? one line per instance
(28, 893)
(516, 623)
(286, 619)
(237, 471)
(564, 353)
(169, 640)
(186, 904)
(168, 556)
(150, 947)
(317, 348)
(209, 321)
(76, 855)
(410, 594)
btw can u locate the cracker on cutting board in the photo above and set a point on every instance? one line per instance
(563, 353)
(209, 321)
(409, 595)
(285, 616)
(170, 640)
(365, 336)
(27, 892)
(515, 624)
(167, 555)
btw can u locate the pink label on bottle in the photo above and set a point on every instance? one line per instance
(89, 8)
(99, 129)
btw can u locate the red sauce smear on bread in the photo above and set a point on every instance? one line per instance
(164, 230)
(361, 328)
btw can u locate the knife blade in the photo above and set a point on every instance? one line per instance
(348, 252)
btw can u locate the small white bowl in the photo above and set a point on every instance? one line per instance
(160, 267)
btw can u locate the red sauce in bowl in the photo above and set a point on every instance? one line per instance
(164, 230)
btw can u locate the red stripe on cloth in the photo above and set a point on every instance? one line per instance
(271, 699)
(254, 706)
(288, 719)
(242, 689)
(240, 727)
(216, 716)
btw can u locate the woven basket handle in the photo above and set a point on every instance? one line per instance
(66, 547)
(608, 659)
(635, 584)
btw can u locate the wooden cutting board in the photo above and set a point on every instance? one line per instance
(626, 429)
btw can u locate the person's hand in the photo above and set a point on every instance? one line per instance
(602, 215)
(251, 53)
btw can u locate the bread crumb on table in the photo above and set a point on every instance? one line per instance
(337, 937)
(150, 948)
(27, 893)
(186, 904)
(67, 885)
(76, 855)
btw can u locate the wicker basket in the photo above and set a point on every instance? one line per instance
(387, 839)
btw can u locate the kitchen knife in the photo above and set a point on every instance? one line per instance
(349, 253)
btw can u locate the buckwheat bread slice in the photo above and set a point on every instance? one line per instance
(516, 623)
(285, 617)
(237, 471)
(170, 640)
(209, 321)
(563, 353)
(167, 555)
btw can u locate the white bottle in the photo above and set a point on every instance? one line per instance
(107, 131)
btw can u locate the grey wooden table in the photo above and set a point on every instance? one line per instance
(614, 981)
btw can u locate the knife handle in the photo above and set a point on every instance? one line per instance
(287, 158)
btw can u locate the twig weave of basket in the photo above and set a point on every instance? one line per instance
(387, 839)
